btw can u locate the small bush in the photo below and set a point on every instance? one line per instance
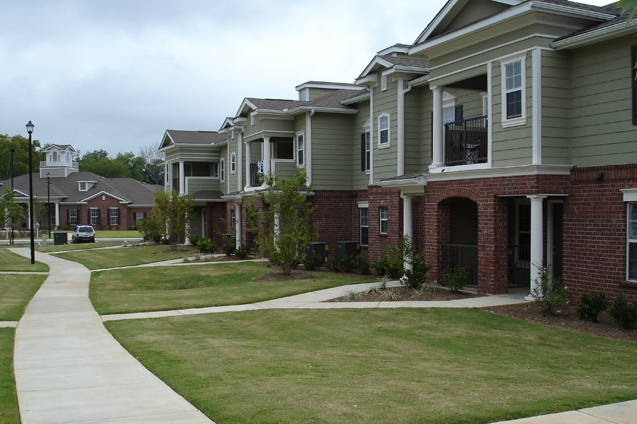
(362, 266)
(338, 263)
(624, 313)
(590, 305)
(552, 296)
(206, 245)
(313, 262)
(454, 279)
(352, 296)
(229, 246)
(242, 252)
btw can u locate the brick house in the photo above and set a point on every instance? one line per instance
(74, 197)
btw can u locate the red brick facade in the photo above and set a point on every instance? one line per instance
(103, 204)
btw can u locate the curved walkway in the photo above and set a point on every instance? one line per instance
(69, 369)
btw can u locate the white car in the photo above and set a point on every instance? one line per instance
(83, 233)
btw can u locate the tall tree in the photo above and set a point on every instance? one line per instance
(20, 156)
(170, 216)
(10, 211)
(154, 168)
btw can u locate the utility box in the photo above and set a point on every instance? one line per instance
(60, 238)
(348, 248)
(317, 248)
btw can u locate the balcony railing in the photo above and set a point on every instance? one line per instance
(460, 256)
(45, 164)
(466, 141)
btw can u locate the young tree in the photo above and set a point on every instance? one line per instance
(171, 212)
(10, 211)
(285, 226)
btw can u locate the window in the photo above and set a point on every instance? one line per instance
(300, 149)
(233, 162)
(633, 82)
(114, 216)
(383, 83)
(233, 218)
(94, 216)
(83, 186)
(632, 242)
(222, 170)
(139, 216)
(366, 148)
(214, 169)
(513, 96)
(284, 149)
(383, 130)
(54, 156)
(384, 219)
(364, 223)
(73, 216)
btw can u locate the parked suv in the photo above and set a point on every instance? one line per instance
(83, 233)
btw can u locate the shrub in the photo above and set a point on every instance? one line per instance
(590, 305)
(454, 279)
(242, 252)
(229, 246)
(550, 295)
(624, 313)
(392, 263)
(206, 245)
(313, 262)
(362, 266)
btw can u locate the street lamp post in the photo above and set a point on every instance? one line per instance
(48, 201)
(12, 153)
(30, 127)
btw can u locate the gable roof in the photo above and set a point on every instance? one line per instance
(397, 63)
(59, 146)
(191, 138)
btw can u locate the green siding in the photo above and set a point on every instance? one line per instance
(426, 108)
(601, 120)
(473, 11)
(332, 156)
(413, 136)
(385, 159)
(360, 179)
(555, 108)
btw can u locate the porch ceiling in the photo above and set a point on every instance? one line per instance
(477, 83)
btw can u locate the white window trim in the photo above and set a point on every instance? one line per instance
(380, 220)
(110, 216)
(82, 184)
(222, 170)
(363, 205)
(73, 215)
(630, 197)
(301, 152)
(388, 144)
(521, 120)
(233, 163)
(383, 83)
(97, 216)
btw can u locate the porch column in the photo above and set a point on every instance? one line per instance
(408, 223)
(537, 236)
(182, 179)
(237, 217)
(437, 129)
(248, 158)
(266, 156)
(57, 215)
(239, 162)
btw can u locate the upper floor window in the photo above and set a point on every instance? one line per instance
(366, 151)
(384, 219)
(300, 149)
(383, 83)
(54, 156)
(214, 169)
(284, 149)
(222, 170)
(383, 130)
(633, 82)
(83, 186)
(233, 162)
(513, 92)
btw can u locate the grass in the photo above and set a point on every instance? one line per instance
(127, 256)
(8, 399)
(72, 247)
(130, 234)
(13, 262)
(16, 290)
(213, 284)
(361, 366)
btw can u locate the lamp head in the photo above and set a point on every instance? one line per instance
(30, 127)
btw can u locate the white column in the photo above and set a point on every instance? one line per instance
(536, 73)
(401, 129)
(408, 223)
(248, 158)
(237, 217)
(57, 215)
(266, 156)
(240, 162)
(537, 237)
(437, 129)
(182, 179)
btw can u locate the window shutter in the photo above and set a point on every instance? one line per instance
(363, 153)
(68, 216)
(458, 113)
(119, 216)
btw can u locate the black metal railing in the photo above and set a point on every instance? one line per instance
(463, 256)
(466, 141)
(519, 266)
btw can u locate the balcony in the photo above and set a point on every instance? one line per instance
(466, 141)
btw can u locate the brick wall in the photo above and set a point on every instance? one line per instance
(103, 203)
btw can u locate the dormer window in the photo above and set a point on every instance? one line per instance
(54, 156)
(83, 186)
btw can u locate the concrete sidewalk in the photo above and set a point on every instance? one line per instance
(68, 368)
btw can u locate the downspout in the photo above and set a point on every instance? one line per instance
(308, 148)
(401, 125)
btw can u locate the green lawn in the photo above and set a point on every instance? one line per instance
(79, 246)
(8, 400)
(126, 256)
(372, 365)
(130, 234)
(10, 261)
(195, 286)
(16, 290)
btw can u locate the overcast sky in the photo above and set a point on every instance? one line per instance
(116, 74)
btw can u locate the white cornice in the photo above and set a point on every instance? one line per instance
(514, 171)
(595, 36)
